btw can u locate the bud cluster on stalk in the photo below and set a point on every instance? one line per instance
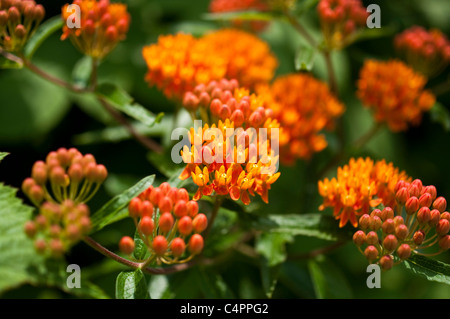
(419, 225)
(65, 174)
(19, 19)
(168, 223)
(58, 227)
(426, 51)
(60, 186)
(340, 21)
(223, 100)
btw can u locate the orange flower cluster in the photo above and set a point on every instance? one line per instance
(165, 221)
(238, 164)
(102, 26)
(19, 20)
(60, 187)
(224, 99)
(222, 6)
(304, 106)
(428, 52)
(359, 186)
(177, 63)
(420, 222)
(397, 100)
(341, 20)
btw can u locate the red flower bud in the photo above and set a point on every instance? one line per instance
(359, 238)
(165, 204)
(388, 226)
(443, 227)
(146, 225)
(444, 242)
(412, 205)
(372, 238)
(375, 223)
(398, 220)
(196, 244)
(390, 243)
(418, 237)
(126, 245)
(180, 209)
(75, 173)
(177, 247)
(185, 225)
(402, 195)
(183, 195)
(387, 213)
(30, 229)
(401, 231)
(111, 34)
(166, 222)
(364, 221)
(159, 245)
(404, 251)
(435, 216)
(56, 247)
(425, 200)
(440, 204)
(371, 253)
(155, 196)
(423, 215)
(192, 207)
(430, 190)
(445, 215)
(147, 209)
(40, 245)
(386, 262)
(200, 223)
(190, 101)
(135, 207)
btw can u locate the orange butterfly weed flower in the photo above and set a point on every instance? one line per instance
(304, 106)
(221, 160)
(428, 52)
(177, 63)
(397, 100)
(102, 26)
(359, 186)
(223, 6)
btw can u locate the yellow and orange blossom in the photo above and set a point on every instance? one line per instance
(304, 107)
(359, 186)
(395, 92)
(102, 26)
(177, 63)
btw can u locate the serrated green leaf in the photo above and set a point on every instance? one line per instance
(432, 270)
(131, 285)
(116, 208)
(304, 58)
(120, 99)
(3, 155)
(328, 281)
(273, 247)
(441, 115)
(43, 32)
(140, 249)
(313, 225)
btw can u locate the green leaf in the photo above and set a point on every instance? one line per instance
(304, 58)
(140, 249)
(273, 247)
(212, 285)
(328, 281)
(116, 208)
(313, 225)
(375, 33)
(3, 155)
(9, 64)
(159, 288)
(441, 115)
(120, 99)
(81, 73)
(269, 276)
(240, 15)
(45, 30)
(131, 285)
(432, 270)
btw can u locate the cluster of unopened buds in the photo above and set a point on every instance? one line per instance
(224, 99)
(426, 51)
(341, 20)
(419, 222)
(19, 19)
(168, 223)
(60, 186)
(101, 27)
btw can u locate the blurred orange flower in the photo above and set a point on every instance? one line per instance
(397, 100)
